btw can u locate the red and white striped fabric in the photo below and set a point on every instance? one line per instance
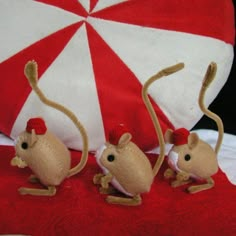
(94, 56)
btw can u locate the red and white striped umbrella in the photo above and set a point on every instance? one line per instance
(94, 56)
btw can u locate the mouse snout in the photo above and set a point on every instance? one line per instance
(173, 160)
(98, 156)
(15, 141)
(99, 152)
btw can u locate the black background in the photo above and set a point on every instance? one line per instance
(224, 104)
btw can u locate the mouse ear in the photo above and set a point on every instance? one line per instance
(116, 133)
(169, 136)
(193, 140)
(124, 140)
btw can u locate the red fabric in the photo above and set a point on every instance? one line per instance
(198, 17)
(79, 209)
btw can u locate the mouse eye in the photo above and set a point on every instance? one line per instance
(24, 145)
(187, 157)
(110, 158)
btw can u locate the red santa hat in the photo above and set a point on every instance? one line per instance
(37, 124)
(116, 133)
(180, 136)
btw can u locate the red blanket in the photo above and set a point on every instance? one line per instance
(79, 209)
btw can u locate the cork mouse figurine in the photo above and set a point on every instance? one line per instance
(125, 166)
(40, 150)
(190, 158)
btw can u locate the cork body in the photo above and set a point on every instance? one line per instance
(131, 170)
(47, 157)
